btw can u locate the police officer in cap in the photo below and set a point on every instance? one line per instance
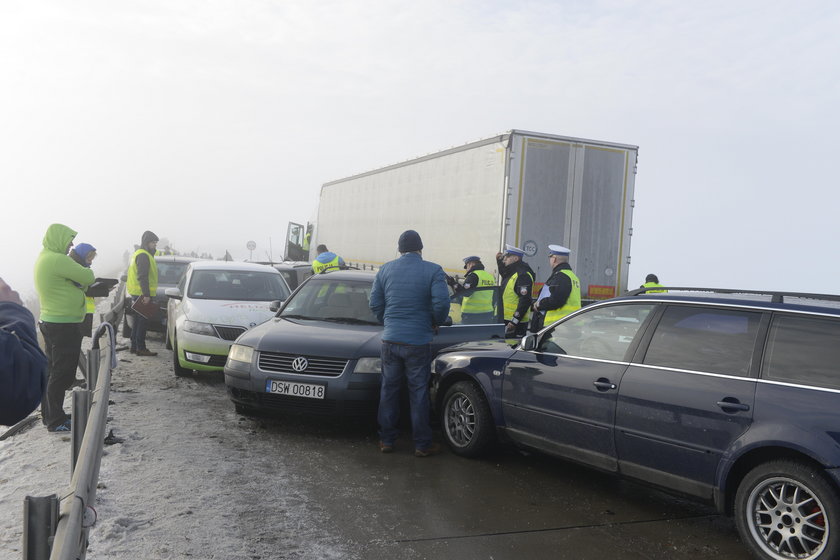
(517, 286)
(476, 305)
(561, 293)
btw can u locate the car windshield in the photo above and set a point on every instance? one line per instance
(331, 299)
(170, 273)
(237, 285)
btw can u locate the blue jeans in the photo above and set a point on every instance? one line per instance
(414, 364)
(138, 331)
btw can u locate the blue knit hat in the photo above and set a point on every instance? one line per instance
(84, 249)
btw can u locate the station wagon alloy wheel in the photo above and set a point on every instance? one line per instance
(467, 421)
(787, 511)
(460, 420)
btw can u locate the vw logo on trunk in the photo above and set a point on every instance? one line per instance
(299, 363)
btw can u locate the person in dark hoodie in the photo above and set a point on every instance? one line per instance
(517, 287)
(61, 283)
(141, 284)
(23, 366)
(326, 261)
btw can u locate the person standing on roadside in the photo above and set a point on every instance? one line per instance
(84, 253)
(23, 366)
(653, 285)
(517, 285)
(410, 297)
(476, 308)
(326, 261)
(61, 283)
(560, 294)
(141, 285)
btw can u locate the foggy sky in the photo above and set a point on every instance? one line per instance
(213, 123)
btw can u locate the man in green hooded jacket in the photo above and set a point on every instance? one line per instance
(61, 283)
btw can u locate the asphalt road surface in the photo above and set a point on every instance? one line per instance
(194, 478)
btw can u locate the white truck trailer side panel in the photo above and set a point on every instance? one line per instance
(454, 199)
(524, 188)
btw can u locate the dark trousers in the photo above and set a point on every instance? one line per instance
(63, 344)
(412, 363)
(138, 331)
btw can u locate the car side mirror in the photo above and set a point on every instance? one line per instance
(529, 342)
(275, 305)
(173, 293)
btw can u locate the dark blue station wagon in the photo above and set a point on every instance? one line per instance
(733, 398)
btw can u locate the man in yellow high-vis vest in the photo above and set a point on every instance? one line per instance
(476, 308)
(651, 281)
(560, 294)
(141, 284)
(517, 285)
(326, 261)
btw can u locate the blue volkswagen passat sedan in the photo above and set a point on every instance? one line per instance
(726, 396)
(320, 353)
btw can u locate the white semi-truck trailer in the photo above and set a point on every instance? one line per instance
(525, 189)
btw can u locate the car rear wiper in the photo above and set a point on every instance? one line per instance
(349, 320)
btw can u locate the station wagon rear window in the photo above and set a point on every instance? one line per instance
(803, 350)
(703, 339)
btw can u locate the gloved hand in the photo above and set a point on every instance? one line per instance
(510, 329)
(451, 281)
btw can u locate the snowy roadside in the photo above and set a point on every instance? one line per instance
(190, 479)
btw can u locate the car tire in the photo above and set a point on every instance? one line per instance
(779, 502)
(467, 423)
(179, 370)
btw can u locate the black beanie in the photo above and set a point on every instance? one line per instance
(409, 241)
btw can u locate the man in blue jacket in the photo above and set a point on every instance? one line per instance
(410, 297)
(23, 366)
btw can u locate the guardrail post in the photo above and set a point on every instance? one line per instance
(93, 369)
(78, 423)
(40, 518)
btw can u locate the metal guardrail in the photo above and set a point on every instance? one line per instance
(57, 528)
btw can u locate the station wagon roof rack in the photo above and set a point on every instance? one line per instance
(775, 297)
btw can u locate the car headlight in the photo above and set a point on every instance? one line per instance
(368, 365)
(239, 353)
(199, 328)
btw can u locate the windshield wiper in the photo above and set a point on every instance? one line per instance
(292, 316)
(349, 320)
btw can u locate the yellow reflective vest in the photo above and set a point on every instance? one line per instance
(654, 285)
(132, 285)
(481, 301)
(511, 299)
(572, 303)
(318, 267)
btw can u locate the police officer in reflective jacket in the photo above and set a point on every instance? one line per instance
(560, 294)
(477, 305)
(517, 286)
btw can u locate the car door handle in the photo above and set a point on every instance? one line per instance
(603, 384)
(732, 405)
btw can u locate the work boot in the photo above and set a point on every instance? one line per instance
(433, 449)
(146, 352)
(386, 447)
